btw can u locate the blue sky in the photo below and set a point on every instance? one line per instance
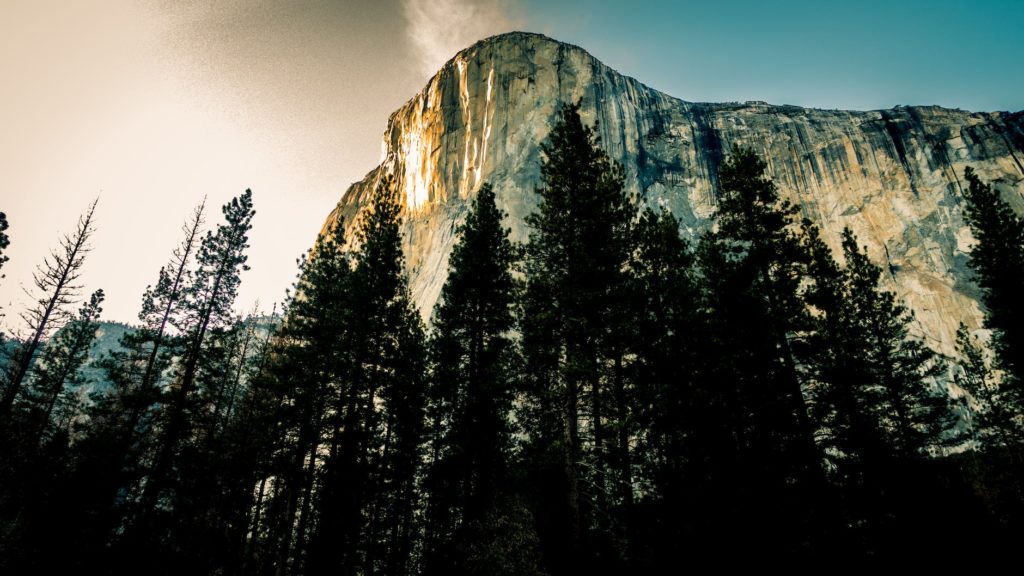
(151, 105)
(867, 54)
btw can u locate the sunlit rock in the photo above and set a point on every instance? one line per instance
(893, 176)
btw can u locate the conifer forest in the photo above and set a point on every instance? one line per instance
(612, 396)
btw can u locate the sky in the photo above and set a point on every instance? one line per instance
(152, 105)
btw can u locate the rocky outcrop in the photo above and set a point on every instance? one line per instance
(893, 176)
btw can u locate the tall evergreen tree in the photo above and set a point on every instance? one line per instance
(994, 421)
(161, 302)
(306, 372)
(574, 339)
(36, 498)
(221, 259)
(471, 394)
(50, 397)
(998, 264)
(910, 409)
(124, 411)
(115, 454)
(754, 267)
(369, 500)
(875, 392)
(121, 433)
(57, 288)
(675, 410)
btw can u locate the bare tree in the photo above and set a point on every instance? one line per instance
(160, 302)
(56, 291)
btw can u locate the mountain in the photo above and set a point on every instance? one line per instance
(893, 176)
(108, 339)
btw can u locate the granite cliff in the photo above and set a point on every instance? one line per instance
(893, 176)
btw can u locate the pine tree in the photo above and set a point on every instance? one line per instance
(160, 303)
(993, 422)
(910, 408)
(754, 267)
(50, 397)
(998, 264)
(675, 411)
(833, 353)
(393, 372)
(122, 414)
(208, 306)
(369, 501)
(472, 357)
(56, 283)
(36, 497)
(306, 372)
(574, 337)
(875, 392)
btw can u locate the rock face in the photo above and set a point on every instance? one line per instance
(893, 176)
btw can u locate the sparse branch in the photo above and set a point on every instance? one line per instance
(57, 284)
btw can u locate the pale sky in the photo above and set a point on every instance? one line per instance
(152, 104)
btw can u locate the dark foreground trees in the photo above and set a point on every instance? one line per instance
(474, 521)
(369, 502)
(575, 328)
(335, 414)
(37, 444)
(619, 395)
(998, 264)
(52, 401)
(56, 291)
(996, 381)
(877, 395)
(755, 270)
